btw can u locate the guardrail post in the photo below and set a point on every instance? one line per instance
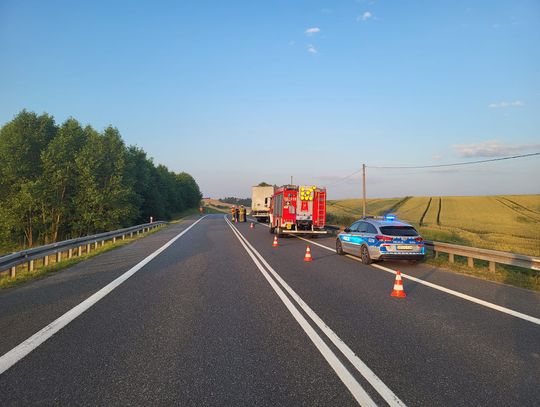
(70, 253)
(470, 262)
(79, 251)
(88, 248)
(492, 266)
(451, 257)
(31, 265)
(131, 234)
(59, 257)
(95, 245)
(13, 271)
(123, 237)
(46, 260)
(436, 254)
(103, 243)
(114, 239)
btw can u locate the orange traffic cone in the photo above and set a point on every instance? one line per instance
(251, 225)
(307, 256)
(398, 287)
(275, 243)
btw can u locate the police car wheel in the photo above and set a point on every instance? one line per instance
(364, 254)
(339, 248)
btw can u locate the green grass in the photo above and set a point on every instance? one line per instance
(6, 248)
(25, 275)
(177, 217)
(516, 276)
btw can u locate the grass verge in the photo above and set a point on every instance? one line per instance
(178, 217)
(511, 275)
(24, 276)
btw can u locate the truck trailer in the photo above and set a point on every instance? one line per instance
(260, 202)
(298, 210)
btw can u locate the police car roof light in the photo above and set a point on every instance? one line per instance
(390, 217)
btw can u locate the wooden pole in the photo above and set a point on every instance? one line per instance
(364, 189)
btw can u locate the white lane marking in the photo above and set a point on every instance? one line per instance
(350, 382)
(478, 301)
(24, 348)
(360, 366)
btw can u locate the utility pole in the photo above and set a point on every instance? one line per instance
(291, 179)
(364, 189)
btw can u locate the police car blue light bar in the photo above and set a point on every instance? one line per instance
(390, 216)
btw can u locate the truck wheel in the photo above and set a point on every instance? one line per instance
(364, 254)
(278, 231)
(339, 248)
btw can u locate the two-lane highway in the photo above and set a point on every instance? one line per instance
(220, 317)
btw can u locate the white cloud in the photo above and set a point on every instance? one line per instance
(516, 103)
(311, 49)
(493, 149)
(366, 15)
(312, 30)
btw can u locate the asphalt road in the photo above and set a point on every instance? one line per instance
(221, 318)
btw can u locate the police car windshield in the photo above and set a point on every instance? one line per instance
(399, 231)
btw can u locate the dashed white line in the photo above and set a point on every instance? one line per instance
(24, 348)
(470, 298)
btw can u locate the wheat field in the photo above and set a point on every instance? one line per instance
(505, 222)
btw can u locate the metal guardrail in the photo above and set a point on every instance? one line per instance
(10, 262)
(491, 256)
(471, 253)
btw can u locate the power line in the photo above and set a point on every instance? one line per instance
(343, 178)
(434, 166)
(458, 164)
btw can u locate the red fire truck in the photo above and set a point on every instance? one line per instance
(298, 210)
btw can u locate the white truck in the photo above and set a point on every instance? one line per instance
(260, 202)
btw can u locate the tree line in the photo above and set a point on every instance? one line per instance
(64, 181)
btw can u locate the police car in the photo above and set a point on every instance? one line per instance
(379, 238)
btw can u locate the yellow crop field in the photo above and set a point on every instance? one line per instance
(507, 222)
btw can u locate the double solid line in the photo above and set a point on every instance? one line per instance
(295, 305)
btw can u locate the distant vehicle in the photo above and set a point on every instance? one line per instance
(298, 210)
(260, 202)
(380, 238)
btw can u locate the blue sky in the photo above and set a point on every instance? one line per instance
(244, 91)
